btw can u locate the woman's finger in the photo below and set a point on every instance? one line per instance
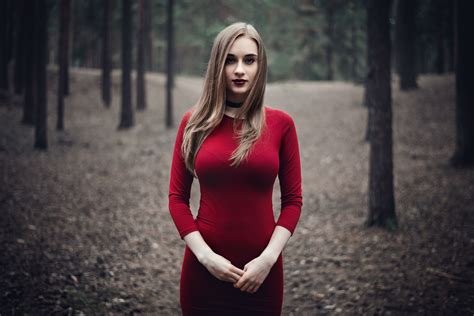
(238, 284)
(251, 289)
(234, 277)
(246, 286)
(236, 270)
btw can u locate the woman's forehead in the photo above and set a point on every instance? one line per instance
(243, 45)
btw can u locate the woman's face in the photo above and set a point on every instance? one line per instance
(240, 68)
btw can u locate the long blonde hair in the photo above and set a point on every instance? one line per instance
(208, 112)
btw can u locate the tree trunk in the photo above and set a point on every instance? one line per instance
(41, 139)
(148, 36)
(65, 9)
(106, 64)
(20, 44)
(405, 43)
(3, 48)
(70, 47)
(6, 29)
(381, 197)
(439, 62)
(368, 75)
(442, 16)
(353, 43)
(464, 67)
(450, 38)
(126, 115)
(170, 65)
(29, 99)
(67, 24)
(141, 82)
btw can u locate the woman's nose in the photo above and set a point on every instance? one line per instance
(239, 69)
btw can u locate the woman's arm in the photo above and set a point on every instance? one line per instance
(256, 271)
(276, 245)
(217, 265)
(181, 180)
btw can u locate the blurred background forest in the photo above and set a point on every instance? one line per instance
(309, 40)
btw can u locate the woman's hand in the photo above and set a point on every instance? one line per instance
(256, 271)
(221, 268)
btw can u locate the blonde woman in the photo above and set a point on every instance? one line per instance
(236, 147)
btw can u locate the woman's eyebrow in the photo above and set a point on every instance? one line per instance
(247, 55)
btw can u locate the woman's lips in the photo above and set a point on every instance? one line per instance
(239, 82)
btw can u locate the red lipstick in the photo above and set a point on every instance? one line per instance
(239, 82)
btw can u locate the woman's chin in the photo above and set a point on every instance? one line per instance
(237, 95)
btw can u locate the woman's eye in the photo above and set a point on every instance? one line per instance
(229, 60)
(249, 61)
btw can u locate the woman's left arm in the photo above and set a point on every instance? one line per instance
(289, 176)
(256, 271)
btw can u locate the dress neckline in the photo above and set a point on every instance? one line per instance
(233, 118)
(230, 117)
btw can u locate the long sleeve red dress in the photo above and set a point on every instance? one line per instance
(235, 215)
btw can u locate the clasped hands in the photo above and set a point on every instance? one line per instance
(247, 280)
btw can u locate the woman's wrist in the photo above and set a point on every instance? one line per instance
(203, 255)
(270, 256)
(198, 246)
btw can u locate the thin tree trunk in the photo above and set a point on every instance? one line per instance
(439, 63)
(464, 67)
(170, 66)
(126, 115)
(141, 82)
(381, 196)
(422, 58)
(29, 100)
(106, 67)
(20, 51)
(8, 50)
(67, 24)
(41, 139)
(369, 75)
(440, 37)
(65, 9)
(70, 48)
(450, 38)
(353, 42)
(148, 36)
(4, 46)
(405, 41)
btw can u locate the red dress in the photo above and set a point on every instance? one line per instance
(235, 215)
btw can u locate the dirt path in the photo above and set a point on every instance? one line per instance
(85, 227)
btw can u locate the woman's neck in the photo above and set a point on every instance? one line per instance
(231, 111)
(233, 104)
(232, 108)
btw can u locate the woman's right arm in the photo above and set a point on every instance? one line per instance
(179, 193)
(217, 265)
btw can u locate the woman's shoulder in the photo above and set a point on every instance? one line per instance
(187, 114)
(278, 115)
(185, 117)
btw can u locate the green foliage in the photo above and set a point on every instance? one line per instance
(295, 32)
(281, 65)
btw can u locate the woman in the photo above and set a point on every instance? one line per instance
(235, 146)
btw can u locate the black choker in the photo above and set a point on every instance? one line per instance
(233, 104)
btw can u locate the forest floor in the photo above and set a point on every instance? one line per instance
(85, 227)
